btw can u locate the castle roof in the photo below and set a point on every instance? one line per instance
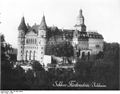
(94, 35)
(22, 25)
(43, 24)
(83, 36)
(35, 27)
(54, 28)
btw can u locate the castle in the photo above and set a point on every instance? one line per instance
(32, 40)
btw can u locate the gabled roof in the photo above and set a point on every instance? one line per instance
(35, 27)
(22, 25)
(31, 33)
(43, 25)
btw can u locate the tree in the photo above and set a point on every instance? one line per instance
(64, 49)
(82, 70)
(36, 66)
(6, 49)
(100, 55)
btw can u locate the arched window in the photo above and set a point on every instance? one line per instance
(26, 55)
(31, 41)
(42, 48)
(79, 52)
(26, 41)
(88, 55)
(35, 41)
(30, 55)
(34, 55)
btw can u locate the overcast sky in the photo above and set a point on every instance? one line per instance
(102, 16)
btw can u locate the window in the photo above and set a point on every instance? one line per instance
(88, 55)
(35, 41)
(30, 55)
(26, 54)
(31, 41)
(34, 55)
(42, 36)
(28, 41)
(97, 46)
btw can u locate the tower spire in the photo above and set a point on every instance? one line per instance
(80, 15)
(80, 22)
(22, 25)
(80, 18)
(43, 24)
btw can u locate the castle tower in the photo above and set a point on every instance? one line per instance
(80, 22)
(21, 39)
(41, 40)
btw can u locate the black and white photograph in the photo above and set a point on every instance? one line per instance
(59, 45)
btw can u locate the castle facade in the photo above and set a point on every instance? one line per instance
(32, 40)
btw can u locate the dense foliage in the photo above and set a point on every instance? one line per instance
(63, 49)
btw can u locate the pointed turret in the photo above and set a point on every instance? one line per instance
(22, 25)
(41, 40)
(21, 39)
(43, 25)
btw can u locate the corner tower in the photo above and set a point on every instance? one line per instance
(21, 39)
(80, 22)
(42, 39)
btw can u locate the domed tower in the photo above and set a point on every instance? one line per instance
(21, 39)
(80, 22)
(42, 40)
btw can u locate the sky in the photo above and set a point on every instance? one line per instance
(102, 16)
